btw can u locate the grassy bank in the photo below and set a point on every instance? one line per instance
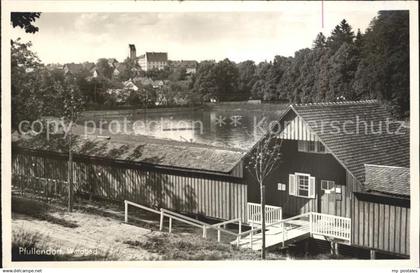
(95, 231)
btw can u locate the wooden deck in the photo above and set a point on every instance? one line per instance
(298, 228)
(295, 230)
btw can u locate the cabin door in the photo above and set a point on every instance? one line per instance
(327, 197)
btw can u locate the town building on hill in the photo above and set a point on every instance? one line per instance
(153, 60)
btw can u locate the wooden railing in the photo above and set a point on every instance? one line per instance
(316, 223)
(187, 220)
(273, 214)
(330, 225)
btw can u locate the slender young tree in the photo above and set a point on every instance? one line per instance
(72, 106)
(263, 159)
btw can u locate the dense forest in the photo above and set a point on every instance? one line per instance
(346, 65)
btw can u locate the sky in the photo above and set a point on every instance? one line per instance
(239, 36)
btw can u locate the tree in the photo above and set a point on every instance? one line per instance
(320, 41)
(72, 105)
(226, 75)
(130, 69)
(260, 88)
(385, 66)
(342, 33)
(262, 160)
(104, 69)
(37, 92)
(25, 20)
(343, 65)
(205, 81)
(246, 78)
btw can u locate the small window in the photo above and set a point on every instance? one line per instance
(301, 146)
(303, 185)
(327, 186)
(311, 146)
(281, 187)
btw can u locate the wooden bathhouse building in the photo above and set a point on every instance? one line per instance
(344, 176)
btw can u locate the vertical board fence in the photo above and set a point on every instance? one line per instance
(218, 196)
(381, 224)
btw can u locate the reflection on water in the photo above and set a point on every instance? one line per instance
(232, 128)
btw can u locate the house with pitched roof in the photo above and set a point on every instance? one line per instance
(349, 160)
(153, 60)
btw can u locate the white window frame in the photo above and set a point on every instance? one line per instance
(294, 185)
(298, 186)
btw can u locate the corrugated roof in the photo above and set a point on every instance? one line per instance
(387, 179)
(355, 148)
(146, 150)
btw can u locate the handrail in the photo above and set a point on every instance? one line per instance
(226, 222)
(182, 220)
(195, 222)
(330, 215)
(267, 206)
(185, 219)
(141, 206)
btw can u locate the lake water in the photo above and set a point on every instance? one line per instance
(237, 126)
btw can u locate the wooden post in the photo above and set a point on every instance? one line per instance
(334, 248)
(70, 175)
(252, 231)
(283, 233)
(331, 247)
(240, 226)
(204, 232)
(372, 254)
(161, 220)
(70, 164)
(310, 224)
(170, 224)
(218, 235)
(125, 211)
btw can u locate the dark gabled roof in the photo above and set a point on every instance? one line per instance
(157, 56)
(357, 149)
(89, 66)
(386, 179)
(159, 152)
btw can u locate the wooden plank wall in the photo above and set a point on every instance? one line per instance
(381, 226)
(321, 166)
(189, 193)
